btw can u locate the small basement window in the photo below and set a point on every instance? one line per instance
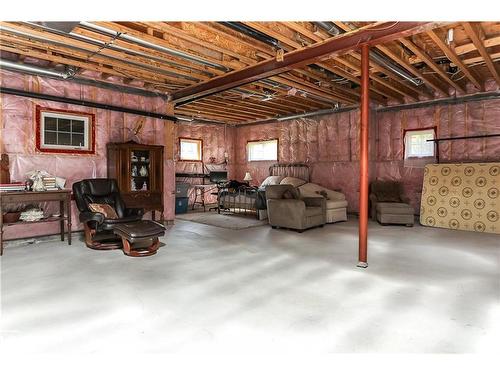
(416, 145)
(61, 131)
(262, 150)
(190, 149)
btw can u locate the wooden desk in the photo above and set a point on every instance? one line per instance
(62, 196)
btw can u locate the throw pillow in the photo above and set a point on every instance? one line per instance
(291, 193)
(105, 209)
(294, 181)
(271, 180)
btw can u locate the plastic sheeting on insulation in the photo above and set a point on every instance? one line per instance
(329, 144)
(18, 137)
(217, 140)
(466, 119)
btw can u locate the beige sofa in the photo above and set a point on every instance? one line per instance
(336, 204)
(286, 208)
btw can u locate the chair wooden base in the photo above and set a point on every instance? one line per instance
(97, 245)
(141, 251)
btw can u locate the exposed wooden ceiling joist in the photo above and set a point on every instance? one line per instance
(429, 61)
(326, 81)
(472, 30)
(375, 34)
(454, 57)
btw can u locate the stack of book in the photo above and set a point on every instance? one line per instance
(14, 186)
(49, 183)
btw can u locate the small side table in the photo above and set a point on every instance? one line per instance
(62, 196)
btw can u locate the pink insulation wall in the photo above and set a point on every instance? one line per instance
(329, 144)
(18, 136)
(217, 140)
(466, 119)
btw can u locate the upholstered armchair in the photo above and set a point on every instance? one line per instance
(98, 228)
(287, 209)
(388, 203)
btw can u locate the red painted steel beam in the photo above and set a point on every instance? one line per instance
(372, 35)
(363, 156)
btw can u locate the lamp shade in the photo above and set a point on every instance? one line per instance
(247, 177)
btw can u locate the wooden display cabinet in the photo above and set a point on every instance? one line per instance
(138, 169)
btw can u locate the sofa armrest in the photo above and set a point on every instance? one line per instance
(334, 195)
(88, 216)
(315, 201)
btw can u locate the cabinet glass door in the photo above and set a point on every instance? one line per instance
(140, 170)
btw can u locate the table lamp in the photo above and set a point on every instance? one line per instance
(247, 178)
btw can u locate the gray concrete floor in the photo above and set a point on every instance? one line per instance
(213, 290)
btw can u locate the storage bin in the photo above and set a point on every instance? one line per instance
(182, 190)
(181, 205)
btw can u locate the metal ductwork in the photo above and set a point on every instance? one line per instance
(65, 27)
(317, 113)
(133, 39)
(88, 51)
(376, 56)
(329, 27)
(98, 43)
(251, 32)
(67, 74)
(396, 69)
(5, 64)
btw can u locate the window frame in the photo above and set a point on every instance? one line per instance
(88, 118)
(191, 140)
(261, 141)
(435, 155)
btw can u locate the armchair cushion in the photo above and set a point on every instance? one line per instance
(387, 191)
(276, 191)
(291, 193)
(394, 208)
(105, 209)
(335, 204)
(388, 196)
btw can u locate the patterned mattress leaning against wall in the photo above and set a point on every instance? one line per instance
(462, 196)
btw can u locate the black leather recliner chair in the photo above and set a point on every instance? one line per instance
(98, 229)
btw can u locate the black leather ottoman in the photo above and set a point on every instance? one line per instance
(144, 234)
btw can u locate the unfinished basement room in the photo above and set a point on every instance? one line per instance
(249, 187)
